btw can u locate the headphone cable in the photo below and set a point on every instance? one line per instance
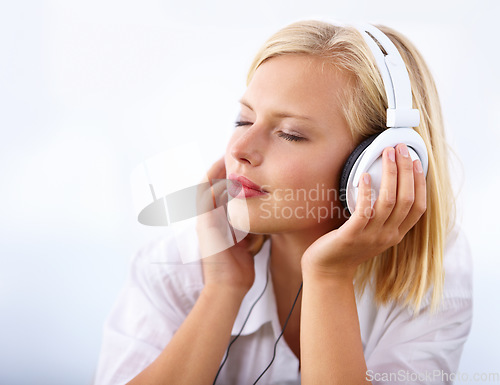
(244, 323)
(282, 331)
(242, 326)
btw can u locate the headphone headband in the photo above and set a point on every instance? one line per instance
(394, 75)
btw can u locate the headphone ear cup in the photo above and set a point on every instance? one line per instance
(348, 167)
(367, 158)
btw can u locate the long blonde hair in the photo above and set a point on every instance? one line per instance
(405, 272)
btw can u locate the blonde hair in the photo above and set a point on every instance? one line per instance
(405, 272)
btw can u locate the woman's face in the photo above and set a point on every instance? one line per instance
(289, 147)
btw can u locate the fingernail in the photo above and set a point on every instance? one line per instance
(366, 178)
(403, 150)
(392, 154)
(418, 167)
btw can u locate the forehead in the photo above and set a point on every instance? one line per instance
(303, 83)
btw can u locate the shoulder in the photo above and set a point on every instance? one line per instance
(458, 270)
(397, 338)
(457, 250)
(455, 304)
(158, 294)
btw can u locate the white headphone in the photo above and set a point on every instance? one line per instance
(401, 117)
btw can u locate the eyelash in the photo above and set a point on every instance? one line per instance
(241, 123)
(284, 135)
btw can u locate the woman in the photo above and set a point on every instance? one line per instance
(314, 93)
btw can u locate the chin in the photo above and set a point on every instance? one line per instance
(245, 217)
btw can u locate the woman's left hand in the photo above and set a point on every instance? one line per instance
(370, 231)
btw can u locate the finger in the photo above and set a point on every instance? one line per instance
(420, 203)
(388, 188)
(219, 191)
(204, 198)
(218, 170)
(211, 195)
(405, 189)
(363, 211)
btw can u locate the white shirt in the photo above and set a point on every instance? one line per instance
(398, 346)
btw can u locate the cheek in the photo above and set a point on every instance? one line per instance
(315, 182)
(308, 174)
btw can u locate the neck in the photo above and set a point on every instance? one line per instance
(286, 255)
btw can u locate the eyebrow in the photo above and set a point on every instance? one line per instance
(282, 114)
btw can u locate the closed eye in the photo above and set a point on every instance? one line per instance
(290, 137)
(281, 134)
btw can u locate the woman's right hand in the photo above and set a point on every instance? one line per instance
(232, 266)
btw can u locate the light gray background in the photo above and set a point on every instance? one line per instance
(89, 89)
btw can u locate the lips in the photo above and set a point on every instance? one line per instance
(241, 187)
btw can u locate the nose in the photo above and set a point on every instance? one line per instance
(247, 147)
